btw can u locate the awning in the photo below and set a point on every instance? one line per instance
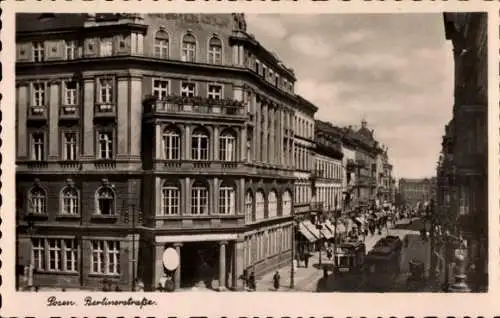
(312, 228)
(330, 226)
(306, 233)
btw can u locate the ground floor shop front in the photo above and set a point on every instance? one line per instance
(214, 261)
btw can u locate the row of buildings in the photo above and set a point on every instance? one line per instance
(461, 209)
(141, 132)
(416, 193)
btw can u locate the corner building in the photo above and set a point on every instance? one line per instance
(138, 132)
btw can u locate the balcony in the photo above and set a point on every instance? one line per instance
(105, 110)
(198, 166)
(37, 113)
(105, 164)
(176, 105)
(316, 174)
(69, 112)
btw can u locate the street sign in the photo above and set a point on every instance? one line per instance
(170, 259)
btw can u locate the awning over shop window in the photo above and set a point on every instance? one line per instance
(306, 233)
(330, 226)
(340, 227)
(312, 228)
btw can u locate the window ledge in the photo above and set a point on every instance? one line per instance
(100, 217)
(37, 216)
(68, 216)
(117, 276)
(53, 272)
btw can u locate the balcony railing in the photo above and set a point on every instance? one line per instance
(105, 110)
(177, 104)
(69, 112)
(37, 113)
(105, 164)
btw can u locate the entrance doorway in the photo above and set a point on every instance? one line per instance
(199, 264)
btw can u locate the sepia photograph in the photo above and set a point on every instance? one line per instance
(240, 152)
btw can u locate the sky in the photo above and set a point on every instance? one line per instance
(394, 70)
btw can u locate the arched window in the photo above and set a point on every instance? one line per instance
(199, 199)
(215, 51)
(169, 199)
(70, 201)
(161, 44)
(226, 199)
(248, 207)
(199, 145)
(272, 204)
(287, 203)
(171, 144)
(259, 205)
(38, 199)
(227, 144)
(189, 48)
(105, 201)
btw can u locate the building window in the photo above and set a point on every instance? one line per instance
(70, 93)
(214, 91)
(38, 94)
(188, 89)
(38, 52)
(272, 204)
(287, 203)
(70, 201)
(55, 255)
(226, 199)
(105, 257)
(257, 67)
(105, 91)
(189, 48)
(106, 47)
(169, 199)
(38, 200)
(160, 88)
(161, 44)
(105, 144)
(71, 255)
(105, 201)
(171, 144)
(70, 146)
(248, 207)
(215, 51)
(38, 146)
(71, 47)
(259, 205)
(199, 199)
(38, 253)
(227, 142)
(199, 145)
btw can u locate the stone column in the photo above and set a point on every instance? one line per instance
(158, 265)
(264, 128)
(215, 143)
(22, 112)
(187, 142)
(135, 119)
(122, 117)
(241, 55)
(177, 278)
(158, 142)
(88, 117)
(53, 111)
(243, 145)
(238, 258)
(222, 265)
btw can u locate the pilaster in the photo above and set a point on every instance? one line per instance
(135, 116)
(54, 102)
(243, 145)
(265, 157)
(158, 142)
(158, 265)
(187, 198)
(215, 143)
(222, 265)
(177, 277)
(187, 143)
(122, 114)
(22, 112)
(88, 117)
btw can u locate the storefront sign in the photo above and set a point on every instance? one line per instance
(170, 259)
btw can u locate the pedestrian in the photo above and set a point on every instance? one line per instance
(306, 260)
(244, 278)
(251, 282)
(276, 280)
(325, 272)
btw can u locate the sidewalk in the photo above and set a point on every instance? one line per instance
(305, 279)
